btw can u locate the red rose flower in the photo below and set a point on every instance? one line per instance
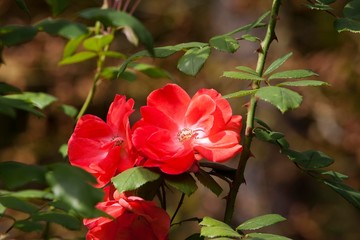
(176, 130)
(104, 149)
(134, 218)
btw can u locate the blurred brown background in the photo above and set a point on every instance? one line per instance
(328, 120)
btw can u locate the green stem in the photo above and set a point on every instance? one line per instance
(187, 220)
(246, 153)
(99, 68)
(178, 207)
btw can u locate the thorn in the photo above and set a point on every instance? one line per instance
(260, 50)
(246, 105)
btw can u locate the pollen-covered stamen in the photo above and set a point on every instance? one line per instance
(184, 134)
(117, 141)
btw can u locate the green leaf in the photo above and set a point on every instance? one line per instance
(310, 159)
(62, 27)
(22, 5)
(267, 136)
(78, 57)
(206, 180)
(69, 110)
(7, 88)
(246, 69)
(185, 183)
(66, 220)
(335, 175)
(111, 73)
(97, 43)
(127, 75)
(2, 209)
(211, 222)
(57, 6)
(111, 17)
(149, 190)
(347, 24)
(352, 10)
(213, 228)
(277, 63)
(242, 76)
(193, 60)
(8, 105)
(14, 35)
(72, 45)
(30, 193)
(262, 123)
(257, 23)
(60, 205)
(10, 172)
(17, 204)
(161, 52)
(326, 1)
(304, 83)
(282, 98)
(38, 99)
(265, 236)
(350, 194)
(63, 150)
(113, 54)
(301, 73)
(241, 93)
(28, 226)
(250, 38)
(187, 46)
(260, 222)
(73, 186)
(224, 43)
(220, 169)
(152, 71)
(133, 178)
(319, 6)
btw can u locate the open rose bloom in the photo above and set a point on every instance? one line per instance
(175, 130)
(134, 218)
(104, 149)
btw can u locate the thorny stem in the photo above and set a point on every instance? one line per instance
(246, 153)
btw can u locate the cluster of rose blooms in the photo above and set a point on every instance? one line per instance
(174, 133)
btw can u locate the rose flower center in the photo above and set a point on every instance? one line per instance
(184, 134)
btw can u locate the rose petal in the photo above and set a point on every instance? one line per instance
(118, 115)
(172, 100)
(92, 127)
(199, 113)
(219, 147)
(153, 116)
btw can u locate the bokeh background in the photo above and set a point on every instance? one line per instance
(328, 120)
